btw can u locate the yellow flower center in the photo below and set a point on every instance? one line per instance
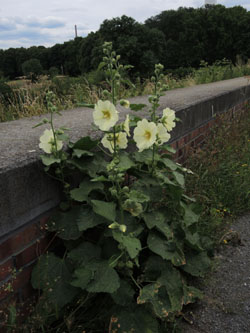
(106, 114)
(147, 135)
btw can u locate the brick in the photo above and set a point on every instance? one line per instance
(199, 140)
(43, 223)
(27, 292)
(22, 278)
(31, 253)
(195, 133)
(19, 241)
(6, 290)
(6, 269)
(174, 145)
(181, 142)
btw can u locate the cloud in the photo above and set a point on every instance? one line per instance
(28, 31)
(7, 24)
(49, 22)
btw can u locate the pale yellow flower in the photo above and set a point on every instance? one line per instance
(120, 139)
(162, 134)
(145, 134)
(126, 125)
(48, 144)
(105, 115)
(168, 119)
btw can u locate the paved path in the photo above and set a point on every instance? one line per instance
(226, 305)
(21, 146)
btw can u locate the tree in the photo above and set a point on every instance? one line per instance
(32, 68)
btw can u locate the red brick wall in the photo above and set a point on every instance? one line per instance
(197, 137)
(18, 254)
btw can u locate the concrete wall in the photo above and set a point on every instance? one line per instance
(27, 195)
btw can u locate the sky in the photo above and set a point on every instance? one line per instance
(25, 23)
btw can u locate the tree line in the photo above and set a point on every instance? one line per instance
(175, 38)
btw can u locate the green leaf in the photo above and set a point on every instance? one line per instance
(52, 275)
(169, 163)
(172, 280)
(132, 244)
(134, 320)
(100, 179)
(137, 107)
(197, 264)
(190, 217)
(49, 159)
(156, 295)
(193, 240)
(85, 143)
(125, 162)
(153, 218)
(165, 248)
(88, 219)
(85, 252)
(179, 178)
(138, 196)
(124, 295)
(191, 294)
(145, 156)
(101, 65)
(90, 165)
(65, 223)
(86, 187)
(79, 153)
(165, 229)
(105, 209)
(169, 148)
(97, 277)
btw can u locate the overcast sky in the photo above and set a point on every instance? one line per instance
(25, 23)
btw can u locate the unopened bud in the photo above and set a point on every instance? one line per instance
(125, 103)
(122, 228)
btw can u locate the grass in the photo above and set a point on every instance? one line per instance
(28, 99)
(221, 183)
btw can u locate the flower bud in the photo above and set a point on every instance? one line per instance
(105, 93)
(125, 189)
(129, 264)
(123, 228)
(114, 225)
(125, 103)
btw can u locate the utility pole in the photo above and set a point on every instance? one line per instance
(75, 31)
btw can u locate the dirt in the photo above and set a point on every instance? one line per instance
(225, 307)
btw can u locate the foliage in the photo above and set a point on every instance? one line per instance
(128, 230)
(32, 68)
(221, 182)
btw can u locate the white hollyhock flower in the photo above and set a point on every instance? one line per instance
(145, 134)
(47, 142)
(168, 119)
(120, 140)
(105, 115)
(162, 134)
(126, 125)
